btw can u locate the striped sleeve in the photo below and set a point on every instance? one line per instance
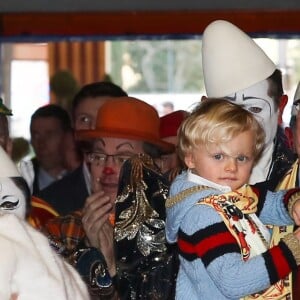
(207, 244)
(279, 262)
(215, 241)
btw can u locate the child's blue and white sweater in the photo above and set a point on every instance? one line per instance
(211, 266)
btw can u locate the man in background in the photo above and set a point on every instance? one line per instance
(168, 107)
(69, 193)
(48, 129)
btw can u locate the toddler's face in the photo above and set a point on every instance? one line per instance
(229, 164)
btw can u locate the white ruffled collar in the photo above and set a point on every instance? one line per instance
(200, 180)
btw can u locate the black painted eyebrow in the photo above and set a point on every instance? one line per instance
(231, 98)
(251, 97)
(8, 196)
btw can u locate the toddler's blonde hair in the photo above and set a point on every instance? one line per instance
(217, 121)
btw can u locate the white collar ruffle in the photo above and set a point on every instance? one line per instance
(200, 180)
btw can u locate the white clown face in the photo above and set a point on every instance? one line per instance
(12, 199)
(256, 100)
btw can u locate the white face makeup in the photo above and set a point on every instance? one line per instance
(256, 100)
(12, 199)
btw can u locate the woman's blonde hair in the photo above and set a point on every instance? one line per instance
(217, 121)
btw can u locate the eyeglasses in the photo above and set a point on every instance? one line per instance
(100, 159)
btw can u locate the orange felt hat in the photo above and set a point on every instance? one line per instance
(170, 123)
(128, 118)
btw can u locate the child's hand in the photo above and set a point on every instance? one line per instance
(296, 212)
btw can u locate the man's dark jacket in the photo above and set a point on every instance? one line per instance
(67, 194)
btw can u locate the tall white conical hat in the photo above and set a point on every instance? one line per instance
(231, 60)
(7, 166)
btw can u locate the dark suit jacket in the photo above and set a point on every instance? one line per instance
(67, 194)
(35, 185)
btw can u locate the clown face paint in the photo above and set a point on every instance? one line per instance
(12, 198)
(256, 100)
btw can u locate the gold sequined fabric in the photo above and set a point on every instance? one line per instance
(147, 266)
(141, 218)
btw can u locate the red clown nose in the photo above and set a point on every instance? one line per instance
(108, 171)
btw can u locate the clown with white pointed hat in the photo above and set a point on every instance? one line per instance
(236, 68)
(30, 269)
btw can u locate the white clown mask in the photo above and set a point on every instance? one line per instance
(12, 197)
(14, 193)
(256, 100)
